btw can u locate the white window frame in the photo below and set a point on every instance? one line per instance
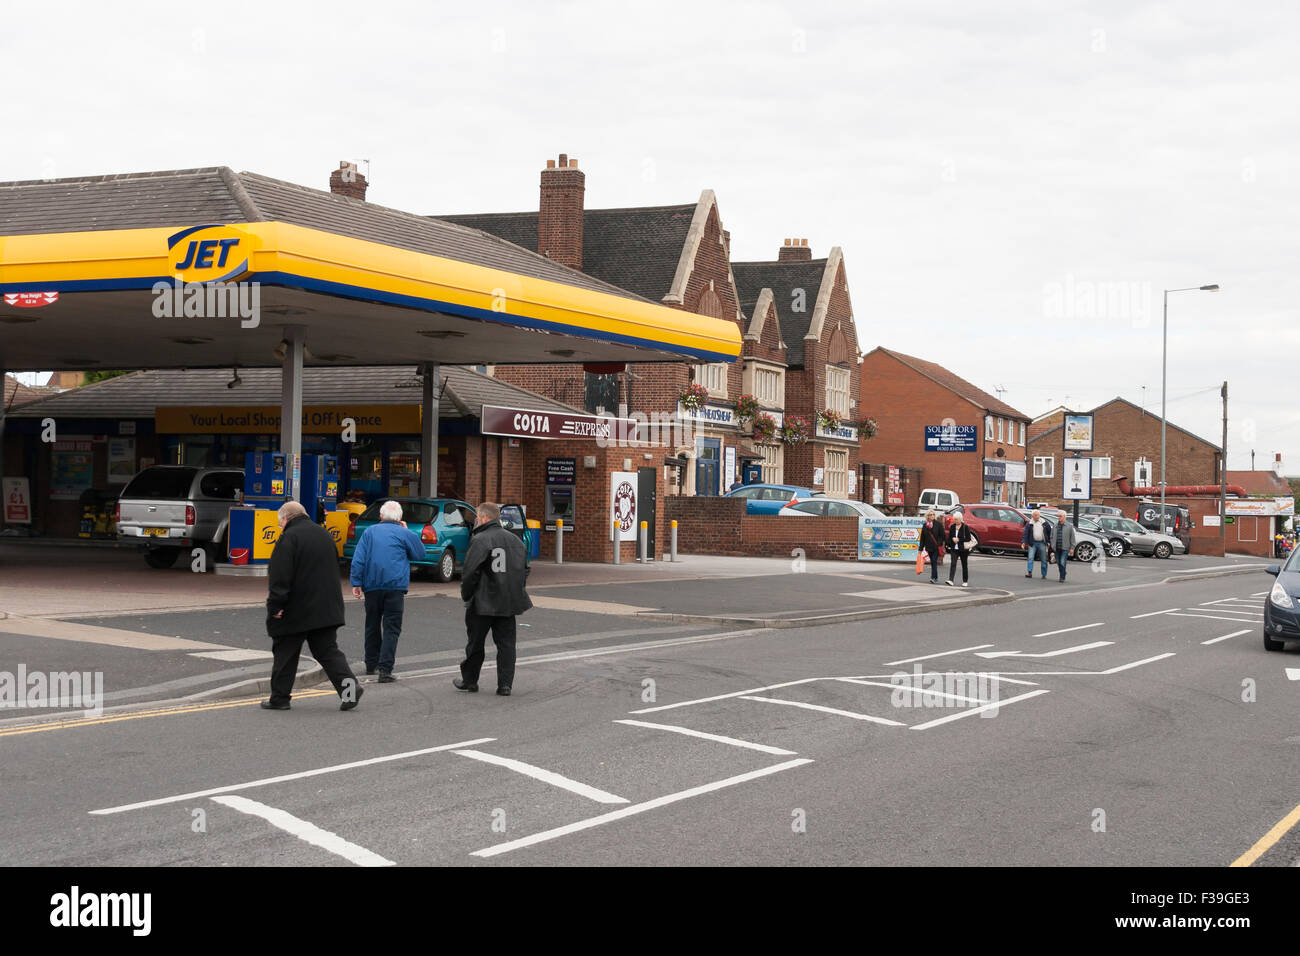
(773, 463)
(835, 473)
(713, 376)
(1045, 466)
(1000, 421)
(988, 427)
(773, 397)
(837, 390)
(1022, 434)
(1098, 469)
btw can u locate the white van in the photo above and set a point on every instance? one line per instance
(940, 499)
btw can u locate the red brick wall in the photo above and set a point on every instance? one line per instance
(559, 220)
(721, 526)
(1205, 540)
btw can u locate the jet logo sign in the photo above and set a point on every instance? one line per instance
(212, 253)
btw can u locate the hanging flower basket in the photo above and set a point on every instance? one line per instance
(829, 420)
(796, 430)
(746, 408)
(764, 427)
(868, 427)
(693, 397)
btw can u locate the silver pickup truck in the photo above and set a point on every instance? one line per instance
(173, 508)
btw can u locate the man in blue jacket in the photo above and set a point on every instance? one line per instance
(381, 570)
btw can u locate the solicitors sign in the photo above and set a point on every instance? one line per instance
(951, 437)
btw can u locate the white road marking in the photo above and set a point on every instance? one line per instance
(898, 674)
(1113, 670)
(1293, 673)
(911, 687)
(1208, 617)
(1134, 617)
(1215, 640)
(1260, 594)
(636, 808)
(1067, 630)
(307, 832)
(739, 693)
(1251, 601)
(975, 710)
(546, 776)
(824, 710)
(237, 654)
(927, 657)
(1221, 567)
(717, 738)
(265, 781)
(1124, 667)
(1056, 653)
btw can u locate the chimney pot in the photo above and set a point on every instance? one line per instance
(550, 164)
(794, 250)
(573, 164)
(564, 160)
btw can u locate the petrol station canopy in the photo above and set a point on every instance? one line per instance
(359, 284)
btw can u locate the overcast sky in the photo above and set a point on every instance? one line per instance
(1013, 183)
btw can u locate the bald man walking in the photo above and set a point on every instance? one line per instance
(305, 603)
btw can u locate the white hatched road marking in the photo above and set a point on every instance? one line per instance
(739, 693)
(1216, 640)
(1208, 617)
(993, 705)
(636, 808)
(1057, 653)
(910, 687)
(927, 657)
(1067, 630)
(717, 738)
(305, 831)
(1293, 673)
(1134, 617)
(546, 776)
(825, 710)
(265, 781)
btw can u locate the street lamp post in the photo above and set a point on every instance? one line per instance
(1164, 364)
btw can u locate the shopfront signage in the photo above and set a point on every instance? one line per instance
(889, 539)
(265, 419)
(531, 423)
(561, 471)
(842, 433)
(951, 437)
(1015, 471)
(18, 501)
(709, 415)
(623, 505)
(995, 470)
(211, 253)
(1260, 507)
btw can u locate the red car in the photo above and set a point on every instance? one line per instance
(998, 526)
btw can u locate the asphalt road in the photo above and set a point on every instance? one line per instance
(1116, 728)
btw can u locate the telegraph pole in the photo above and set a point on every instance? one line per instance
(1223, 475)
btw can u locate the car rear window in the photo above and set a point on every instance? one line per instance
(161, 483)
(413, 512)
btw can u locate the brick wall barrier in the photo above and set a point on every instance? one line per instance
(720, 526)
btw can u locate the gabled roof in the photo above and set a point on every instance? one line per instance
(137, 394)
(16, 393)
(1260, 482)
(957, 385)
(217, 194)
(786, 280)
(1136, 407)
(636, 248)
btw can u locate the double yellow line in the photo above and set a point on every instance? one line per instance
(1266, 842)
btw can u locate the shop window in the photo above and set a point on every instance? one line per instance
(836, 473)
(367, 471)
(1044, 467)
(404, 467)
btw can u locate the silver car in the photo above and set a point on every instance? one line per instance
(171, 508)
(832, 507)
(1142, 539)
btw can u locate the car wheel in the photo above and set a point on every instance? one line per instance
(1163, 550)
(447, 565)
(1270, 644)
(1115, 549)
(1085, 552)
(162, 558)
(997, 551)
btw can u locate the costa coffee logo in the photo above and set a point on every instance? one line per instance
(625, 505)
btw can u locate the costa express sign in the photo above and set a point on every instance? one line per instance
(212, 253)
(531, 423)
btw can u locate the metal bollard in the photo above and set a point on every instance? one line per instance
(618, 545)
(559, 541)
(672, 555)
(644, 556)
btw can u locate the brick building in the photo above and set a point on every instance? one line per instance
(907, 395)
(680, 256)
(1126, 441)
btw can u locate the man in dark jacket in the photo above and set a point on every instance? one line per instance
(305, 603)
(381, 570)
(492, 587)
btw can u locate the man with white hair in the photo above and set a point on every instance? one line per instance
(381, 571)
(305, 603)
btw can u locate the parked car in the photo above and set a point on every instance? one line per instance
(1086, 546)
(1178, 521)
(997, 525)
(1282, 606)
(172, 508)
(1142, 540)
(832, 508)
(1092, 510)
(770, 499)
(443, 524)
(1117, 544)
(940, 499)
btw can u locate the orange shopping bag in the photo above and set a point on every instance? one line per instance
(921, 558)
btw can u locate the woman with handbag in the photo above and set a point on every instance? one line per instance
(961, 541)
(932, 537)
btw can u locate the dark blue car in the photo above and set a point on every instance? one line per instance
(770, 499)
(1282, 606)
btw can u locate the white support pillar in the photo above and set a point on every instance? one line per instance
(291, 406)
(429, 430)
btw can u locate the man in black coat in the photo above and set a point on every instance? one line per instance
(305, 603)
(492, 587)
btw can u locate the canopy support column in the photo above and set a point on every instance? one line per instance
(291, 408)
(429, 430)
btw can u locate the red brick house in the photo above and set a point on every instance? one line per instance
(908, 394)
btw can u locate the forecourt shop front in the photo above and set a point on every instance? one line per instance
(302, 278)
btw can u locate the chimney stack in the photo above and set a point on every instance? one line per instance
(559, 217)
(1277, 464)
(346, 181)
(795, 250)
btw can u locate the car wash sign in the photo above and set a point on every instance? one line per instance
(532, 423)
